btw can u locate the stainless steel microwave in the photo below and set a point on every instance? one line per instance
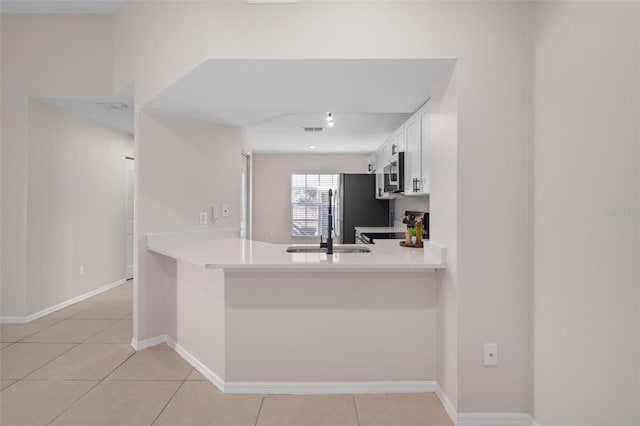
(394, 174)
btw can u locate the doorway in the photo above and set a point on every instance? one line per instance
(245, 218)
(129, 215)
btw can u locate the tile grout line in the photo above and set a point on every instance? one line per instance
(170, 399)
(74, 345)
(8, 386)
(37, 331)
(70, 343)
(259, 411)
(117, 366)
(76, 401)
(355, 405)
(91, 388)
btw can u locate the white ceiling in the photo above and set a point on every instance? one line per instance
(369, 99)
(60, 6)
(352, 133)
(99, 109)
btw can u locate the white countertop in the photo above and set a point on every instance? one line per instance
(219, 251)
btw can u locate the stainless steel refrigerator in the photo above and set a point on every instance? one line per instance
(357, 205)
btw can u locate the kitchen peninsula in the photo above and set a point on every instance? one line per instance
(253, 318)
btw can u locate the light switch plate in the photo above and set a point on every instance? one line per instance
(203, 218)
(226, 210)
(490, 354)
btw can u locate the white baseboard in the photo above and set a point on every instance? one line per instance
(317, 388)
(147, 343)
(494, 419)
(195, 363)
(51, 309)
(299, 388)
(447, 403)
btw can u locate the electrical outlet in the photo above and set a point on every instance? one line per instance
(81, 269)
(490, 354)
(203, 218)
(226, 211)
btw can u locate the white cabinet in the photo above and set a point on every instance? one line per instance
(425, 136)
(372, 162)
(398, 141)
(412, 155)
(412, 138)
(416, 157)
(383, 155)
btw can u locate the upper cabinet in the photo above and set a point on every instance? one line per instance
(425, 135)
(412, 155)
(398, 141)
(383, 156)
(412, 138)
(372, 162)
(416, 168)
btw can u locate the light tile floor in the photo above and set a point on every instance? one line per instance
(76, 367)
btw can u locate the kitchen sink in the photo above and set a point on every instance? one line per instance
(336, 249)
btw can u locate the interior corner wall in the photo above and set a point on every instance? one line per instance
(76, 206)
(184, 167)
(272, 188)
(442, 152)
(586, 163)
(490, 41)
(41, 55)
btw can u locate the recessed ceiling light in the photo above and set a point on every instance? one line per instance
(330, 119)
(312, 147)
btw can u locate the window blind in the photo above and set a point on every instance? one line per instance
(310, 203)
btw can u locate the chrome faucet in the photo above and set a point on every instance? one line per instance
(329, 243)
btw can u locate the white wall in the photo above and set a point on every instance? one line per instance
(272, 188)
(156, 42)
(443, 221)
(576, 99)
(76, 205)
(586, 105)
(190, 166)
(42, 55)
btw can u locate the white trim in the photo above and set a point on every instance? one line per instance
(195, 363)
(51, 309)
(317, 388)
(147, 343)
(447, 403)
(494, 419)
(300, 388)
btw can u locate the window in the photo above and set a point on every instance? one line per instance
(310, 204)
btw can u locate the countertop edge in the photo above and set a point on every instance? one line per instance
(432, 262)
(327, 268)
